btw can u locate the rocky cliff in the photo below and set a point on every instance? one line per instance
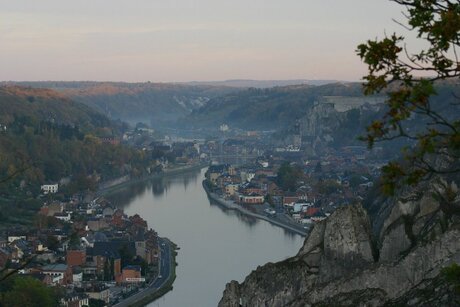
(392, 255)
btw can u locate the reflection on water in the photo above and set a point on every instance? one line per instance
(158, 186)
(216, 244)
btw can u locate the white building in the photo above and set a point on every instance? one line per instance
(50, 188)
(57, 272)
(224, 128)
(66, 217)
(13, 238)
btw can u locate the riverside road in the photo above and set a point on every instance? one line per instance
(165, 263)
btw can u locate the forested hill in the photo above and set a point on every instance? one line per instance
(266, 109)
(47, 138)
(157, 104)
(25, 103)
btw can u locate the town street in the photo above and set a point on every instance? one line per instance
(165, 262)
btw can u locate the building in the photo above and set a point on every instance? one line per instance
(75, 300)
(76, 257)
(131, 274)
(231, 189)
(252, 199)
(50, 188)
(61, 273)
(99, 293)
(66, 217)
(110, 140)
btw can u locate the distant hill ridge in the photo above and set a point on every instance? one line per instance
(47, 105)
(261, 83)
(158, 104)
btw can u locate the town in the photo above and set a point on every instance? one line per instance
(95, 253)
(287, 186)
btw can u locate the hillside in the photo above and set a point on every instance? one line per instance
(47, 105)
(47, 138)
(265, 109)
(157, 104)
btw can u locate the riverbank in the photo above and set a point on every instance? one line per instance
(232, 206)
(167, 264)
(159, 286)
(168, 172)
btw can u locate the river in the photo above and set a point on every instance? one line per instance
(216, 245)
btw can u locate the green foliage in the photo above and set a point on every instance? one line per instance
(53, 139)
(327, 186)
(393, 69)
(289, 176)
(26, 291)
(452, 275)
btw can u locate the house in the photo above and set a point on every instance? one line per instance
(65, 217)
(61, 273)
(76, 257)
(99, 292)
(231, 189)
(298, 207)
(77, 275)
(96, 224)
(75, 300)
(131, 274)
(20, 248)
(252, 198)
(49, 188)
(215, 171)
(265, 172)
(311, 211)
(290, 200)
(138, 222)
(247, 176)
(103, 251)
(15, 237)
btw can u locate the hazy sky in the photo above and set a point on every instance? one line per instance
(182, 40)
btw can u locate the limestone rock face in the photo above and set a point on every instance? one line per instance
(346, 262)
(395, 243)
(347, 243)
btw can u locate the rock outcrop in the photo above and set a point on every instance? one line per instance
(347, 261)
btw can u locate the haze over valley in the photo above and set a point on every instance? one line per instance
(205, 153)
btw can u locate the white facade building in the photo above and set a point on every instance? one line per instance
(50, 188)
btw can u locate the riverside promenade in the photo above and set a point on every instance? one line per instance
(232, 206)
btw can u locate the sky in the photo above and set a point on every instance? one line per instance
(184, 40)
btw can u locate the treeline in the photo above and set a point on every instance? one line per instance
(47, 138)
(35, 154)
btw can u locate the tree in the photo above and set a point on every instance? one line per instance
(395, 70)
(288, 176)
(26, 291)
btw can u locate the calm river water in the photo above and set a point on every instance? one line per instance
(216, 245)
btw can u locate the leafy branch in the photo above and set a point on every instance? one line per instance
(410, 79)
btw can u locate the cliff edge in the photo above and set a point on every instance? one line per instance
(363, 257)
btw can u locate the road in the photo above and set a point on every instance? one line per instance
(157, 283)
(165, 264)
